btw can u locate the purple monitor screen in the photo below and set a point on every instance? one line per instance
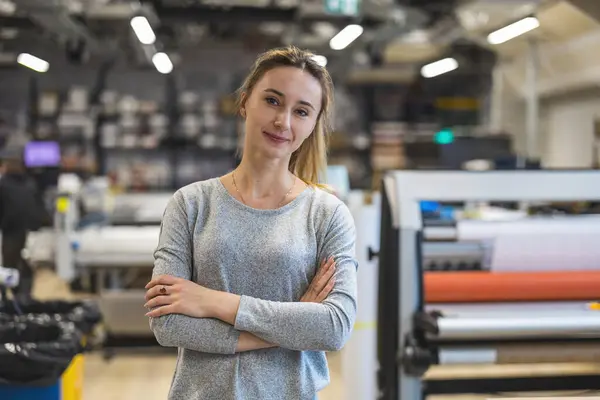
(42, 154)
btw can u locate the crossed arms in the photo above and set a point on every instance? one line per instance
(242, 323)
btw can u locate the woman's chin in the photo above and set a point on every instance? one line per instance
(270, 153)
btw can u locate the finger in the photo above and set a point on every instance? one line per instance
(326, 276)
(159, 301)
(326, 290)
(319, 282)
(328, 263)
(320, 279)
(321, 268)
(160, 311)
(154, 292)
(325, 265)
(157, 291)
(162, 280)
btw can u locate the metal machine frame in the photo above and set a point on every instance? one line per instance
(403, 325)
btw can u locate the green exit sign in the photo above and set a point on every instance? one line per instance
(344, 7)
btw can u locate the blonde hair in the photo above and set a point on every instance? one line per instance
(309, 162)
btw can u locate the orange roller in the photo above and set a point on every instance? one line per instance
(472, 287)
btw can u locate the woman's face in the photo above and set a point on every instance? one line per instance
(281, 111)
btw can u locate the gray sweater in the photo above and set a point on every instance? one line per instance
(269, 258)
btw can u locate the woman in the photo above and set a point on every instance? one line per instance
(237, 285)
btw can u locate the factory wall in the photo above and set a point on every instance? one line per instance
(569, 139)
(566, 127)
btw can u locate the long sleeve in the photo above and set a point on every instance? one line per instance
(173, 256)
(310, 326)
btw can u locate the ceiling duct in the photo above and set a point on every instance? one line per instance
(567, 52)
(55, 16)
(118, 11)
(590, 7)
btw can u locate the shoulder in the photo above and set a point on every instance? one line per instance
(332, 211)
(197, 192)
(192, 197)
(325, 201)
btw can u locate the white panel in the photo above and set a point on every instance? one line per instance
(414, 186)
(570, 135)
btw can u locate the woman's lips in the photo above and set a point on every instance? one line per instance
(275, 138)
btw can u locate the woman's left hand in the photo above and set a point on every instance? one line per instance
(170, 295)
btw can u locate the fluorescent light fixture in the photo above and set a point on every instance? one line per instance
(321, 60)
(7, 7)
(142, 29)
(513, 30)
(346, 36)
(33, 62)
(439, 67)
(163, 63)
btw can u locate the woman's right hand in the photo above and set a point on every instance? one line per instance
(322, 283)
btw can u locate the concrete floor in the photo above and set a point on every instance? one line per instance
(138, 375)
(147, 375)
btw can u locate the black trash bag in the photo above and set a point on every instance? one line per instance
(37, 352)
(84, 314)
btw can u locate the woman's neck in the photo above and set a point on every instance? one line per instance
(263, 178)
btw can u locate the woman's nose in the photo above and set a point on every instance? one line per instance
(282, 121)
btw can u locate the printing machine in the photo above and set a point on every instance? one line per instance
(115, 254)
(129, 237)
(414, 336)
(124, 241)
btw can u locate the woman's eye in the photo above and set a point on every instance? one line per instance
(302, 113)
(272, 101)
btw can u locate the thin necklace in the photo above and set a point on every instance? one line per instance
(244, 201)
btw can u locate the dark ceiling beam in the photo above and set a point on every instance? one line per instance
(241, 15)
(435, 9)
(16, 22)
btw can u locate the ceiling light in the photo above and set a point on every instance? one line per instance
(439, 67)
(163, 63)
(7, 7)
(513, 30)
(321, 60)
(143, 30)
(33, 62)
(346, 36)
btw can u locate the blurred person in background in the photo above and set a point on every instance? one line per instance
(255, 272)
(4, 132)
(20, 212)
